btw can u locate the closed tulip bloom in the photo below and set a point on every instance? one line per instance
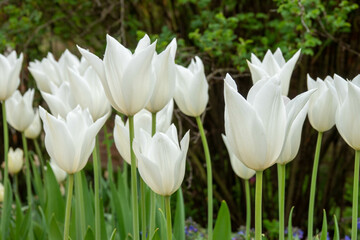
(10, 67)
(255, 127)
(60, 174)
(89, 93)
(161, 160)
(142, 120)
(15, 160)
(61, 100)
(127, 78)
(296, 110)
(322, 104)
(191, 93)
(2, 191)
(19, 110)
(34, 130)
(348, 116)
(271, 65)
(71, 141)
(238, 167)
(164, 70)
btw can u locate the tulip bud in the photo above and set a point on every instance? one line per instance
(15, 160)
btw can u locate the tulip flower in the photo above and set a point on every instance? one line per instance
(255, 129)
(61, 100)
(322, 104)
(19, 110)
(34, 129)
(70, 141)
(142, 120)
(273, 64)
(127, 78)
(191, 94)
(15, 160)
(49, 73)
(348, 125)
(10, 67)
(88, 92)
(164, 70)
(60, 174)
(2, 192)
(161, 159)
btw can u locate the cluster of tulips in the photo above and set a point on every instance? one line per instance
(261, 130)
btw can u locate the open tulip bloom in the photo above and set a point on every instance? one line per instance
(273, 64)
(10, 67)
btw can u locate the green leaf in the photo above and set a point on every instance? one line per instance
(89, 235)
(112, 237)
(290, 235)
(222, 228)
(54, 231)
(37, 183)
(336, 229)
(6, 211)
(323, 235)
(179, 221)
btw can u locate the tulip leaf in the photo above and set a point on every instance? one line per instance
(118, 211)
(113, 234)
(222, 228)
(54, 230)
(179, 221)
(38, 186)
(336, 229)
(162, 223)
(89, 235)
(55, 204)
(6, 210)
(25, 226)
(290, 235)
(324, 232)
(102, 221)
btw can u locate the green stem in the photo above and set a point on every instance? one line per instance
(281, 185)
(135, 209)
(248, 209)
(152, 194)
(4, 218)
(108, 151)
(97, 188)
(355, 196)
(313, 186)
(16, 179)
(209, 177)
(68, 206)
(258, 199)
(27, 166)
(143, 209)
(168, 217)
(80, 206)
(39, 153)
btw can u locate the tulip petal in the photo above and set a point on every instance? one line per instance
(121, 138)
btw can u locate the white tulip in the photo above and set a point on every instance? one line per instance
(15, 160)
(60, 174)
(10, 67)
(162, 160)
(34, 130)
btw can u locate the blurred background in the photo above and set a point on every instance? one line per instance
(223, 34)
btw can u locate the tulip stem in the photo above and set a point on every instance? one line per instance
(27, 166)
(248, 209)
(168, 217)
(68, 206)
(313, 186)
(258, 199)
(143, 209)
(108, 151)
(281, 191)
(97, 169)
(5, 218)
(39, 153)
(152, 194)
(80, 204)
(135, 209)
(209, 177)
(354, 227)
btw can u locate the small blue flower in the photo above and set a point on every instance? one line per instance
(347, 237)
